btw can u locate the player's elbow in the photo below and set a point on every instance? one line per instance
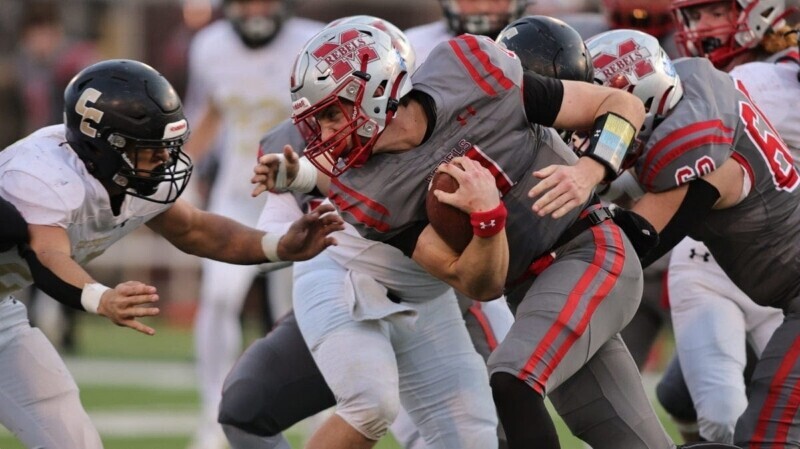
(483, 289)
(488, 295)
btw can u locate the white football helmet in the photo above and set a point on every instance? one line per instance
(487, 24)
(399, 39)
(755, 18)
(634, 61)
(350, 63)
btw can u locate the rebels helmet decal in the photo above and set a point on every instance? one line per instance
(634, 61)
(89, 113)
(630, 60)
(399, 40)
(345, 56)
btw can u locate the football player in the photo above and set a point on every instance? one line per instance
(276, 368)
(714, 167)
(115, 164)
(708, 306)
(381, 137)
(237, 76)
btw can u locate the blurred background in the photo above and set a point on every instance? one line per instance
(139, 390)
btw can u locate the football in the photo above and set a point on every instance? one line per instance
(452, 224)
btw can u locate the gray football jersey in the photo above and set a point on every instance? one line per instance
(754, 241)
(476, 88)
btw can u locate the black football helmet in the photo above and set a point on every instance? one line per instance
(116, 108)
(549, 47)
(256, 30)
(483, 23)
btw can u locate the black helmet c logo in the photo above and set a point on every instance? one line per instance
(87, 113)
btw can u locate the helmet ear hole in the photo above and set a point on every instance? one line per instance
(648, 104)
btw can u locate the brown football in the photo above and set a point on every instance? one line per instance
(450, 223)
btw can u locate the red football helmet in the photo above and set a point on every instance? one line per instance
(751, 20)
(343, 65)
(654, 17)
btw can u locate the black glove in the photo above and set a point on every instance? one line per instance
(13, 229)
(640, 232)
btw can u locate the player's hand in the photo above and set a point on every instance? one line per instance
(128, 301)
(308, 236)
(267, 171)
(477, 190)
(565, 187)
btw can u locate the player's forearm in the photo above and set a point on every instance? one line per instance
(482, 268)
(623, 104)
(220, 238)
(64, 268)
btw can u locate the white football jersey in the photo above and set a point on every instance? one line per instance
(424, 37)
(250, 87)
(49, 185)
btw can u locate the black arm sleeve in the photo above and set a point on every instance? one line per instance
(542, 97)
(696, 205)
(13, 229)
(48, 282)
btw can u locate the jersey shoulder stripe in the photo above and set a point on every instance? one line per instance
(681, 146)
(353, 210)
(488, 65)
(698, 135)
(362, 208)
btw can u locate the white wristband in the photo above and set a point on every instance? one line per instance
(90, 296)
(306, 178)
(304, 182)
(269, 244)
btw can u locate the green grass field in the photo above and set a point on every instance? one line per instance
(158, 415)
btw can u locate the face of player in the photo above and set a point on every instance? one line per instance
(148, 160)
(331, 121)
(718, 19)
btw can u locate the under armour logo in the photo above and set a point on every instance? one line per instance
(490, 224)
(705, 255)
(469, 111)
